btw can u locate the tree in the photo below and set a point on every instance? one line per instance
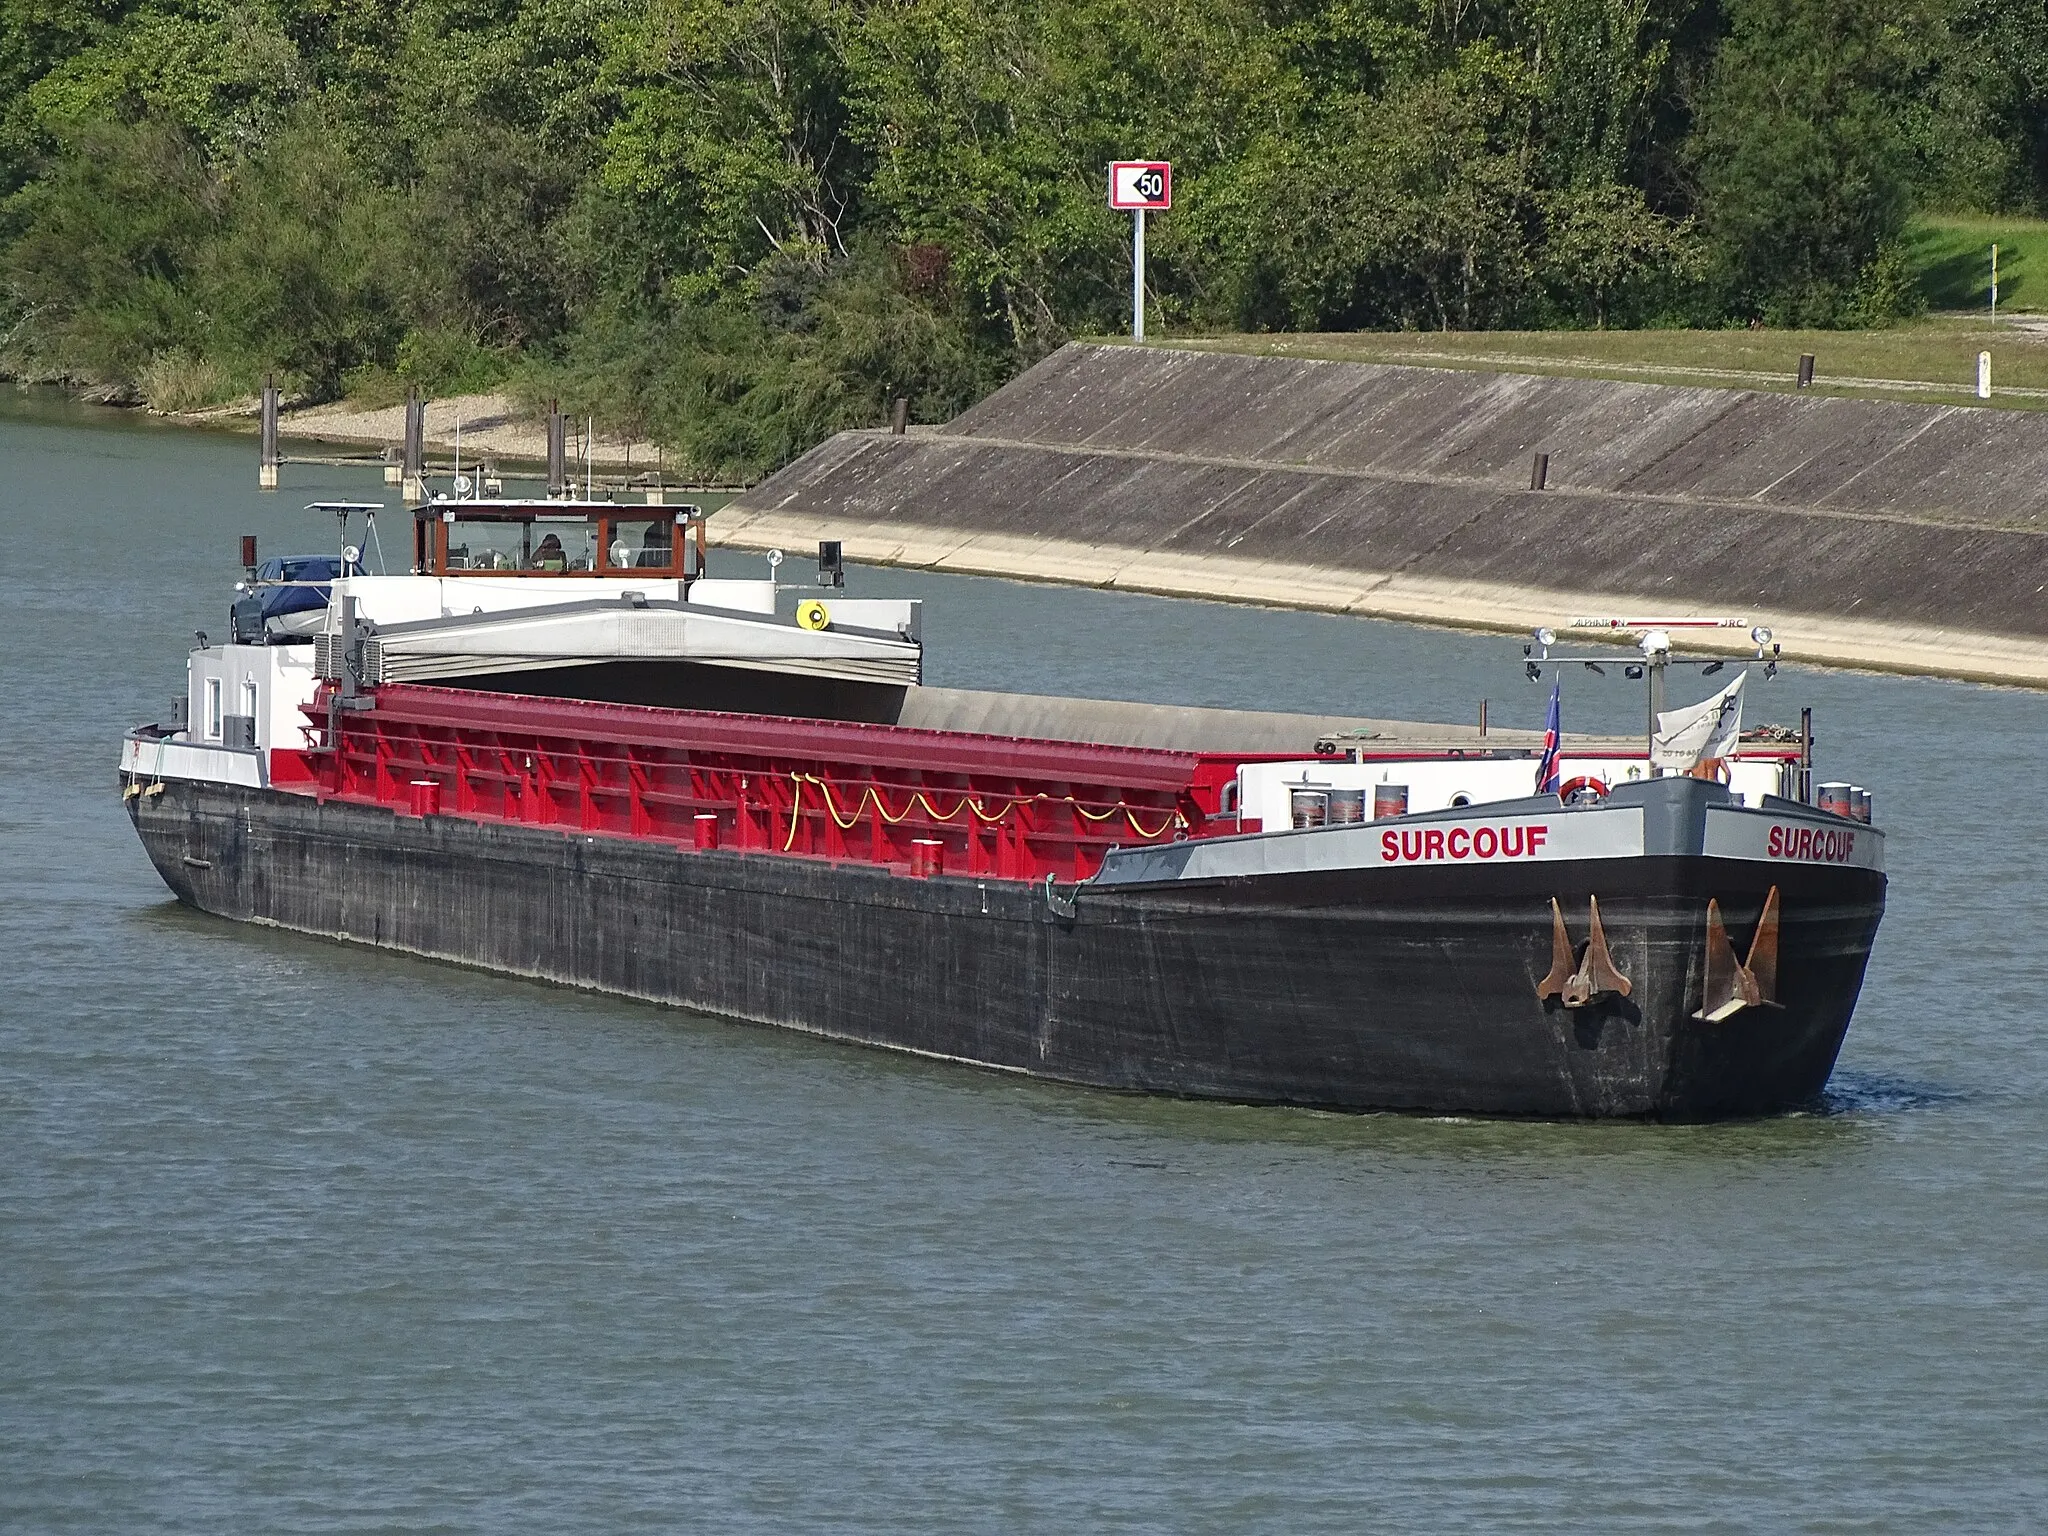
(732, 132)
(1804, 168)
(101, 274)
(1604, 249)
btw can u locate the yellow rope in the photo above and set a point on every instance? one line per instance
(1176, 819)
(1087, 814)
(796, 805)
(917, 798)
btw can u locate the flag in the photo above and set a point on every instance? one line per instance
(1546, 770)
(1711, 728)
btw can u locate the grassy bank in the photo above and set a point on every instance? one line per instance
(1951, 255)
(1933, 359)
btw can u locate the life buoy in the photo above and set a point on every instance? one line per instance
(812, 615)
(1586, 789)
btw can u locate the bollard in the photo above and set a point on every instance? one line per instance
(899, 416)
(249, 555)
(1539, 472)
(1805, 369)
(266, 460)
(1983, 375)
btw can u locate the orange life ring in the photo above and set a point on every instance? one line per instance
(1583, 782)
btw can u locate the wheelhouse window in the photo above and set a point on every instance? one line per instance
(213, 709)
(544, 539)
(641, 544)
(554, 546)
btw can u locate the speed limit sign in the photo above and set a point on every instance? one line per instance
(1140, 184)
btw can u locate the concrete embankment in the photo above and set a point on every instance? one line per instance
(1869, 534)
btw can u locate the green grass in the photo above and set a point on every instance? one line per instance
(1933, 359)
(1952, 255)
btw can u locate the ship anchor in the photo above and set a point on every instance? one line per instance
(1576, 981)
(1732, 986)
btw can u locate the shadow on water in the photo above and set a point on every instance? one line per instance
(1871, 1093)
(1162, 1124)
(44, 406)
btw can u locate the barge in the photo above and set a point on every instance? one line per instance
(556, 748)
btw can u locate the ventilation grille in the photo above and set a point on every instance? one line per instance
(330, 653)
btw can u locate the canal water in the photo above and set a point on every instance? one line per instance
(301, 1237)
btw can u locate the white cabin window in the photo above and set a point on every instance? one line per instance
(249, 697)
(213, 709)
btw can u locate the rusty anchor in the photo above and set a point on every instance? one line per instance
(1578, 981)
(1732, 986)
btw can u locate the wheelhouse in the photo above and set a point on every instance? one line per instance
(557, 539)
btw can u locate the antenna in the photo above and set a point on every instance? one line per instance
(341, 510)
(1654, 644)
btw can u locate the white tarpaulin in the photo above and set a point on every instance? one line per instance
(1710, 728)
(579, 634)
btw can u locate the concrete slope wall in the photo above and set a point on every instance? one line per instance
(1772, 450)
(1881, 534)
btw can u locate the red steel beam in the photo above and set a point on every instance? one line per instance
(869, 746)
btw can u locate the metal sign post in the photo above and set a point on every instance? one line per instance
(1138, 275)
(1138, 185)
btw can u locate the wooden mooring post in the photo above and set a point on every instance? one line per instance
(413, 485)
(558, 452)
(267, 457)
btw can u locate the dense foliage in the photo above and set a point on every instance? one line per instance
(739, 224)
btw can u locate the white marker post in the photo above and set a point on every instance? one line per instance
(1138, 185)
(1983, 375)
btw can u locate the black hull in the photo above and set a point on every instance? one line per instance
(1409, 989)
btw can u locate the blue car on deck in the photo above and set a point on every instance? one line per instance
(285, 600)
